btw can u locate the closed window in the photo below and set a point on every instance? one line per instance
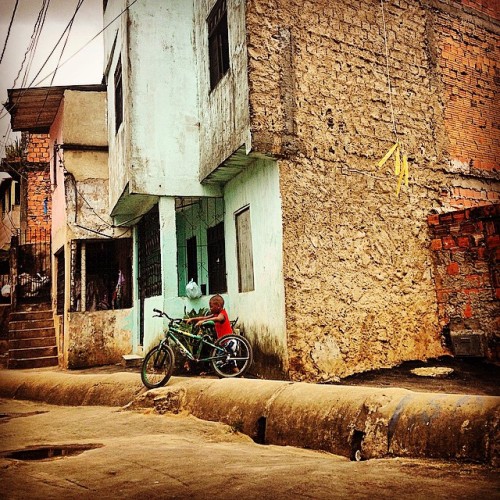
(118, 95)
(244, 251)
(218, 42)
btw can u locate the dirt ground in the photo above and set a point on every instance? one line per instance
(146, 455)
(469, 376)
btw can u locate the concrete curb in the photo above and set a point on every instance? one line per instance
(71, 388)
(356, 422)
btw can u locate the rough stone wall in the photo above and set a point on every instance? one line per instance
(357, 265)
(466, 250)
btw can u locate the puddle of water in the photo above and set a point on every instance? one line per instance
(50, 452)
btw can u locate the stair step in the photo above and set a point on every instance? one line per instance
(33, 352)
(27, 325)
(33, 362)
(33, 333)
(32, 342)
(31, 315)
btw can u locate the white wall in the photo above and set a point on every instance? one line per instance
(261, 312)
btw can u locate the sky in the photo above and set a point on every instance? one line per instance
(79, 64)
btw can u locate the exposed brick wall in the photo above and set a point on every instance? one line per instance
(488, 7)
(39, 206)
(38, 148)
(469, 62)
(37, 190)
(466, 251)
(357, 265)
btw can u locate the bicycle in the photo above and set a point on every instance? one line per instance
(230, 356)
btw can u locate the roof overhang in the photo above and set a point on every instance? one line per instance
(34, 109)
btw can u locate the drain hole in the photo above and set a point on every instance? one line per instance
(356, 444)
(50, 452)
(260, 436)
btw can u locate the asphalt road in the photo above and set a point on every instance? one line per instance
(146, 455)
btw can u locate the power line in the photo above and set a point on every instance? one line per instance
(8, 31)
(89, 42)
(80, 3)
(38, 30)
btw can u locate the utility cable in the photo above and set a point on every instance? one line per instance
(36, 40)
(8, 31)
(89, 42)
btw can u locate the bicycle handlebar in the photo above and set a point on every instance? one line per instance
(159, 314)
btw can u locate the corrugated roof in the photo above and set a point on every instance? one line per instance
(34, 109)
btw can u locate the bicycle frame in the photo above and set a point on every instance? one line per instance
(173, 333)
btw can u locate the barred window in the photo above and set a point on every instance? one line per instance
(149, 254)
(201, 253)
(60, 282)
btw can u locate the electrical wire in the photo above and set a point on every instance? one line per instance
(38, 32)
(8, 30)
(80, 3)
(89, 42)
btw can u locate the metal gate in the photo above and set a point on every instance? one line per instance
(33, 265)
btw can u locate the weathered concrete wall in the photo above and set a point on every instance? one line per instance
(357, 265)
(224, 112)
(85, 118)
(98, 338)
(466, 251)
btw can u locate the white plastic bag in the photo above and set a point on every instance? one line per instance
(193, 290)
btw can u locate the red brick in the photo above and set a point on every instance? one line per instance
(493, 241)
(433, 220)
(463, 241)
(448, 242)
(436, 244)
(453, 268)
(467, 311)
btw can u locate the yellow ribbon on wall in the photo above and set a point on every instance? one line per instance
(400, 165)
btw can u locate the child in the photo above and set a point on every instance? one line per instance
(218, 316)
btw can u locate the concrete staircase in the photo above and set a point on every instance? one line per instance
(32, 338)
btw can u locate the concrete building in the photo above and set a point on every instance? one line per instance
(244, 147)
(91, 260)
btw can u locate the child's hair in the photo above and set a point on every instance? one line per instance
(218, 299)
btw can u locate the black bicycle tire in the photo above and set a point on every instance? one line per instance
(242, 370)
(169, 354)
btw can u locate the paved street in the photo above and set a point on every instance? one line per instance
(145, 455)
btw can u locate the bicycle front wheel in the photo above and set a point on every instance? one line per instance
(157, 366)
(232, 356)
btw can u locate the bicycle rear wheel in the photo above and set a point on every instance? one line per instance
(157, 366)
(232, 357)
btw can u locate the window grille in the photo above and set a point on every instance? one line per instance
(150, 254)
(118, 95)
(60, 283)
(218, 42)
(200, 244)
